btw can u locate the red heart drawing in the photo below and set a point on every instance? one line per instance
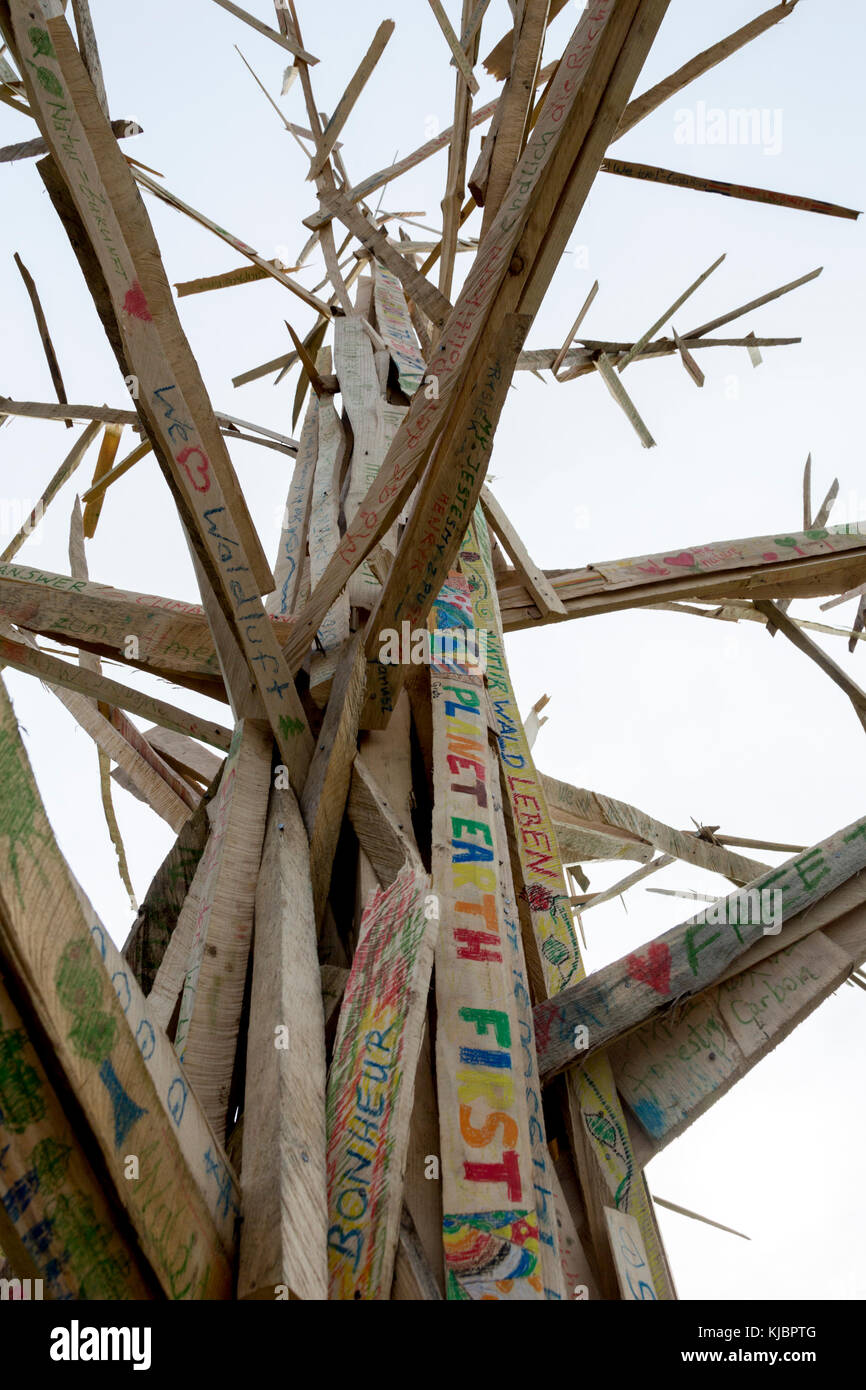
(136, 304)
(684, 558)
(656, 971)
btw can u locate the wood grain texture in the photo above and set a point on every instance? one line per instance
(172, 397)
(371, 1085)
(284, 1235)
(57, 1223)
(207, 1031)
(49, 947)
(323, 800)
(682, 962)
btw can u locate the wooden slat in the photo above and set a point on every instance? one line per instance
(604, 367)
(484, 1125)
(709, 58)
(773, 613)
(574, 806)
(283, 39)
(45, 336)
(649, 173)
(377, 827)
(434, 532)
(210, 1011)
(371, 1085)
(355, 366)
(60, 673)
(157, 915)
(343, 109)
(561, 127)
(543, 594)
(172, 396)
(687, 959)
(607, 1171)
(132, 1104)
(672, 1070)
(659, 322)
(56, 1220)
(323, 800)
(284, 1234)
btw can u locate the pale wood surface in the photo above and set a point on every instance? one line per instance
(48, 945)
(210, 1010)
(284, 1234)
(682, 962)
(371, 1084)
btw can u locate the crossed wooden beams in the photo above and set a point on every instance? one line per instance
(537, 169)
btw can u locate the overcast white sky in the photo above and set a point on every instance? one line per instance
(679, 716)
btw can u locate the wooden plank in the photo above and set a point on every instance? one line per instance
(32, 149)
(323, 800)
(687, 959)
(157, 914)
(607, 1169)
(572, 333)
(780, 619)
(458, 52)
(377, 827)
(104, 464)
(90, 51)
(344, 107)
(371, 1085)
(435, 529)
(296, 518)
(543, 594)
(395, 325)
(510, 125)
(687, 359)
(454, 608)
(435, 305)
(604, 367)
(98, 687)
(649, 173)
(354, 363)
(45, 336)
(172, 396)
(490, 1226)
(112, 415)
(56, 1220)
(543, 1183)
(455, 179)
(799, 564)
(210, 1011)
(283, 39)
(172, 637)
(205, 1159)
(558, 133)
(185, 754)
(575, 807)
(284, 1233)
(660, 322)
(632, 1266)
(98, 489)
(48, 944)
(758, 303)
(671, 1070)
(709, 58)
(414, 1280)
